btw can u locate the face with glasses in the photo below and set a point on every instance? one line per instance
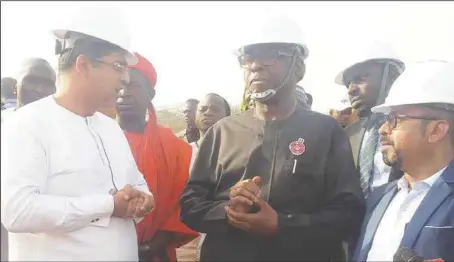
(411, 133)
(265, 65)
(105, 77)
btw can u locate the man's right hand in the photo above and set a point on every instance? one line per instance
(125, 202)
(244, 194)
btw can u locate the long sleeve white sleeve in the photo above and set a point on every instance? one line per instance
(24, 172)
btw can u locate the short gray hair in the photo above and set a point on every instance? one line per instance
(447, 113)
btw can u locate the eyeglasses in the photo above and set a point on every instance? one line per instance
(391, 119)
(266, 58)
(116, 66)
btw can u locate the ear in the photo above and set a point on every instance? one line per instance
(300, 70)
(83, 65)
(437, 131)
(152, 94)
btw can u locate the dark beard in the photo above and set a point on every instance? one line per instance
(395, 162)
(364, 112)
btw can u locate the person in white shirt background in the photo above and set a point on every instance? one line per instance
(8, 96)
(70, 188)
(342, 111)
(415, 212)
(35, 80)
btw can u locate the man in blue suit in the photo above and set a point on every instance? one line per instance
(417, 211)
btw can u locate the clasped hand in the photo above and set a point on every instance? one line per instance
(132, 203)
(243, 196)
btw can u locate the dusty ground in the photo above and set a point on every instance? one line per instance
(187, 252)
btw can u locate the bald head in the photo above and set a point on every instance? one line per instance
(36, 67)
(35, 80)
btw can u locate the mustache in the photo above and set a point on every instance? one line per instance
(385, 140)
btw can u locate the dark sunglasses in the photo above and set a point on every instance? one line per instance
(266, 58)
(391, 119)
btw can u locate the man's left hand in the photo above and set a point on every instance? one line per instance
(264, 222)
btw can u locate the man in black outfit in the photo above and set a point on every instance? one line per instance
(276, 182)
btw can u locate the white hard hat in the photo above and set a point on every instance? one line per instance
(277, 30)
(105, 23)
(421, 83)
(343, 104)
(376, 51)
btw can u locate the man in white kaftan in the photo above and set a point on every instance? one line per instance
(70, 188)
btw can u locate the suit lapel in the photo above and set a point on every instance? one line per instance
(436, 195)
(376, 212)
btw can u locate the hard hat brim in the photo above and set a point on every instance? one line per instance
(384, 108)
(339, 79)
(387, 108)
(341, 108)
(130, 58)
(59, 33)
(237, 51)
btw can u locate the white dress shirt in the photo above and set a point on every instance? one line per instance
(10, 103)
(381, 171)
(9, 108)
(400, 211)
(6, 113)
(57, 169)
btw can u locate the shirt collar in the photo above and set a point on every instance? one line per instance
(69, 115)
(424, 184)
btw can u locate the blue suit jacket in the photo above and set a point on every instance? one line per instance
(430, 233)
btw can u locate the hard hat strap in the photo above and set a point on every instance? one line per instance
(58, 47)
(268, 94)
(399, 67)
(62, 46)
(384, 89)
(69, 42)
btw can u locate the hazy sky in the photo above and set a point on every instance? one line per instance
(190, 43)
